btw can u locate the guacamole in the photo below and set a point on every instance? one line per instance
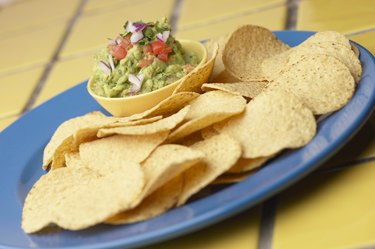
(143, 59)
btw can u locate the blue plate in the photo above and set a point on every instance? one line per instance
(21, 147)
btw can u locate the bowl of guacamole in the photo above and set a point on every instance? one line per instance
(141, 67)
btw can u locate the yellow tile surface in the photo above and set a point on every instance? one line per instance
(102, 6)
(5, 122)
(31, 48)
(345, 16)
(273, 19)
(331, 210)
(239, 232)
(16, 90)
(361, 146)
(367, 40)
(25, 15)
(198, 11)
(65, 74)
(91, 31)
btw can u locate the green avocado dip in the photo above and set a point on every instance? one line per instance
(143, 59)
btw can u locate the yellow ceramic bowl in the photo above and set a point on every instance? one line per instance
(127, 106)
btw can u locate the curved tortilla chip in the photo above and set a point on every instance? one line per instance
(323, 83)
(273, 121)
(246, 49)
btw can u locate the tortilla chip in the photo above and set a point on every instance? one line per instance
(225, 77)
(153, 205)
(244, 164)
(166, 162)
(323, 83)
(207, 109)
(338, 51)
(101, 154)
(76, 197)
(232, 178)
(246, 49)
(221, 153)
(167, 107)
(272, 66)
(62, 140)
(162, 125)
(210, 45)
(209, 132)
(255, 128)
(329, 36)
(245, 89)
(215, 102)
(194, 81)
(121, 122)
(355, 50)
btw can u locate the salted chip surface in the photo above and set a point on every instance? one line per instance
(225, 77)
(62, 140)
(193, 81)
(221, 153)
(77, 197)
(153, 205)
(272, 66)
(163, 182)
(103, 153)
(215, 102)
(245, 89)
(207, 109)
(272, 121)
(166, 162)
(337, 50)
(323, 83)
(167, 107)
(210, 45)
(163, 125)
(246, 49)
(329, 36)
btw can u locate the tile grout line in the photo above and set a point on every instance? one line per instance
(345, 165)
(291, 21)
(231, 16)
(268, 217)
(54, 59)
(364, 31)
(175, 14)
(267, 223)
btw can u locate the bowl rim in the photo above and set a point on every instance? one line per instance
(201, 63)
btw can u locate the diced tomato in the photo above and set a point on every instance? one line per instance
(167, 50)
(163, 56)
(118, 52)
(147, 49)
(145, 62)
(125, 43)
(157, 46)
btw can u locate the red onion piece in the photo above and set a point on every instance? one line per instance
(136, 37)
(139, 26)
(163, 36)
(136, 82)
(104, 67)
(111, 63)
(130, 27)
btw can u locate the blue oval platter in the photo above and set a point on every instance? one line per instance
(22, 144)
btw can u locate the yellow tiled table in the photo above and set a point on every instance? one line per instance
(46, 47)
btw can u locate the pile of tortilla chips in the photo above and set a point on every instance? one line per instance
(263, 97)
